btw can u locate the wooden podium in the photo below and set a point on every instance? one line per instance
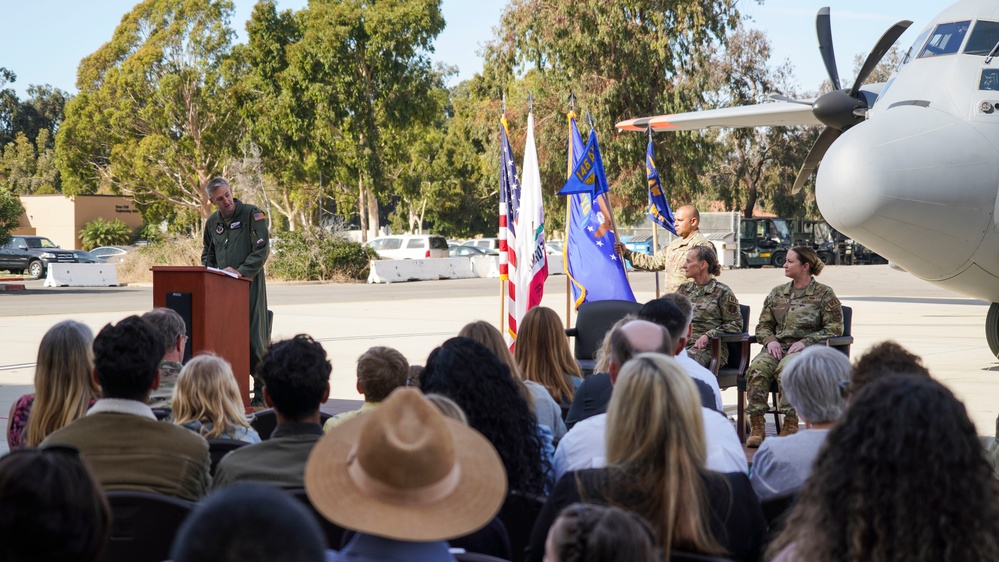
(216, 308)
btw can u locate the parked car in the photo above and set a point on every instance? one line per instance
(484, 243)
(409, 246)
(110, 254)
(84, 256)
(457, 250)
(32, 254)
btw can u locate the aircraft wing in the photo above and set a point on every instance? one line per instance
(779, 113)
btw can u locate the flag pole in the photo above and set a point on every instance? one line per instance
(593, 123)
(568, 217)
(655, 231)
(503, 278)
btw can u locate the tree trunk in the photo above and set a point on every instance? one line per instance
(361, 210)
(372, 211)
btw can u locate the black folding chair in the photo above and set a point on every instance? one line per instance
(593, 319)
(143, 525)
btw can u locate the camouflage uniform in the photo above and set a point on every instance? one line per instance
(716, 311)
(810, 318)
(670, 259)
(169, 371)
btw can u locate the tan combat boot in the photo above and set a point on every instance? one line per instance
(758, 431)
(790, 424)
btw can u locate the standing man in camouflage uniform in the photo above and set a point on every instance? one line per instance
(236, 240)
(716, 310)
(795, 315)
(672, 257)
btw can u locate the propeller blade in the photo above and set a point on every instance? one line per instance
(824, 30)
(880, 49)
(782, 97)
(815, 155)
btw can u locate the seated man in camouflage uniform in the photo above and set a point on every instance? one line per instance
(174, 331)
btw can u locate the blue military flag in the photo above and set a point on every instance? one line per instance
(659, 210)
(595, 270)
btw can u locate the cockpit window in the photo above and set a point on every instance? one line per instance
(946, 39)
(983, 38)
(916, 45)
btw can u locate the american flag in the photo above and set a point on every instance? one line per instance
(509, 203)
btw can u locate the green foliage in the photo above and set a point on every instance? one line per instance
(100, 232)
(27, 168)
(10, 213)
(312, 255)
(151, 233)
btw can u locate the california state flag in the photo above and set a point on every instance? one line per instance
(529, 261)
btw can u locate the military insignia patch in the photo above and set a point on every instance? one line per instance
(259, 216)
(235, 225)
(219, 229)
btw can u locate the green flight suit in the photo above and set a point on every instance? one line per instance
(241, 242)
(786, 318)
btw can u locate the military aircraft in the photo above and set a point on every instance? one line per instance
(910, 168)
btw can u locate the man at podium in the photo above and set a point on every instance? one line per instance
(236, 241)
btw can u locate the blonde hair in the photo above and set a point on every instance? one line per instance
(487, 334)
(656, 443)
(206, 391)
(448, 407)
(64, 382)
(542, 352)
(603, 356)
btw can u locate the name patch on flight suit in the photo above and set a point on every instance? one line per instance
(235, 225)
(219, 229)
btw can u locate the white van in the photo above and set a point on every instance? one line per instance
(409, 246)
(483, 243)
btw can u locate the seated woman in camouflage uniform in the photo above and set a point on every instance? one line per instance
(716, 310)
(794, 316)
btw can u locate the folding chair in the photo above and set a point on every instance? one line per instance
(593, 319)
(143, 525)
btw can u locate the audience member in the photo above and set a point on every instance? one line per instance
(174, 332)
(545, 408)
(901, 477)
(448, 407)
(594, 393)
(51, 508)
(206, 400)
(120, 438)
(716, 310)
(380, 370)
(413, 379)
(249, 523)
(585, 446)
(467, 372)
(883, 359)
(64, 386)
(656, 467)
(296, 375)
(812, 383)
(596, 533)
(406, 478)
(543, 355)
(677, 321)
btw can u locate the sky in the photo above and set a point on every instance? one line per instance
(43, 41)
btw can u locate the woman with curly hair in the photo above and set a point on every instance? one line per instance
(206, 400)
(64, 386)
(543, 355)
(656, 467)
(890, 486)
(466, 371)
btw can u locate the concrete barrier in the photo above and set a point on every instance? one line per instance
(395, 271)
(82, 275)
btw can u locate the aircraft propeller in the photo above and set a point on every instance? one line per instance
(841, 108)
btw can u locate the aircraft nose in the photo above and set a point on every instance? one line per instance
(915, 185)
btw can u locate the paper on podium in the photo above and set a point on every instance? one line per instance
(229, 273)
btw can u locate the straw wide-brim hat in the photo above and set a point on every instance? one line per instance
(405, 472)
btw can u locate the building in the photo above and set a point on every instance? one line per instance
(60, 218)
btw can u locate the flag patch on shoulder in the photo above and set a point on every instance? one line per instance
(259, 216)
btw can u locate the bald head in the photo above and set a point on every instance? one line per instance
(686, 220)
(637, 336)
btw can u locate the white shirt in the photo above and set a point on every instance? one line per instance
(585, 445)
(698, 371)
(122, 406)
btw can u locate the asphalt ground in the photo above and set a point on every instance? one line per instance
(944, 328)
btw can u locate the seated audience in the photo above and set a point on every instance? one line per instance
(120, 438)
(64, 386)
(407, 479)
(584, 446)
(901, 477)
(881, 360)
(296, 375)
(249, 523)
(545, 408)
(596, 533)
(543, 355)
(380, 370)
(174, 331)
(51, 508)
(812, 383)
(206, 400)
(465, 371)
(656, 468)
(594, 393)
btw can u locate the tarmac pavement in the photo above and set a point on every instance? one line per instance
(945, 328)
